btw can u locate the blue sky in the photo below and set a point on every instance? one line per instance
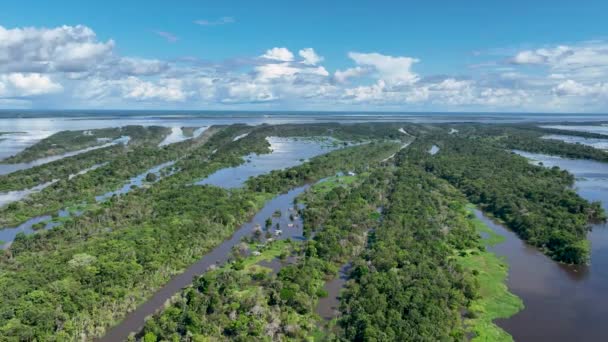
(312, 55)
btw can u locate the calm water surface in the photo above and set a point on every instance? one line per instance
(8, 234)
(9, 168)
(601, 144)
(286, 152)
(562, 303)
(135, 320)
(27, 127)
(599, 129)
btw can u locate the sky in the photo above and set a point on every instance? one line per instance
(483, 56)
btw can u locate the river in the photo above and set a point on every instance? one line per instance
(134, 321)
(25, 128)
(8, 234)
(9, 168)
(562, 303)
(285, 153)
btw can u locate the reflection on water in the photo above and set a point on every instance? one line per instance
(562, 302)
(8, 234)
(13, 196)
(434, 149)
(138, 181)
(601, 144)
(9, 168)
(286, 152)
(219, 255)
(177, 135)
(13, 143)
(328, 307)
(37, 128)
(599, 129)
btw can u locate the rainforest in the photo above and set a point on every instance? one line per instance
(324, 230)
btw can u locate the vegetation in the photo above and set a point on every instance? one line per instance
(419, 268)
(494, 300)
(83, 275)
(529, 138)
(537, 203)
(407, 286)
(142, 138)
(68, 141)
(243, 301)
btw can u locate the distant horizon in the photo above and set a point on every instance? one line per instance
(276, 111)
(516, 56)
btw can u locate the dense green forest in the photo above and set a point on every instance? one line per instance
(140, 137)
(97, 266)
(407, 280)
(529, 138)
(67, 141)
(406, 286)
(243, 301)
(537, 203)
(419, 267)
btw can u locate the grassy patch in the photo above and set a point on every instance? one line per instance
(268, 253)
(490, 237)
(495, 300)
(333, 182)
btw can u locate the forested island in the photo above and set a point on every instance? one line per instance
(376, 206)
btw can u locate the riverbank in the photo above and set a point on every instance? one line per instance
(494, 301)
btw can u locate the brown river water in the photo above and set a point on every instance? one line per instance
(562, 303)
(134, 321)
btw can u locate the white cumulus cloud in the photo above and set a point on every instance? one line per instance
(20, 84)
(393, 70)
(310, 56)
(280, 54)
(65, 48)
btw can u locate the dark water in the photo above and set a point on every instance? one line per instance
(134, 321)
(277, 264)
(285, 153)
(562, 303)
(328, 307)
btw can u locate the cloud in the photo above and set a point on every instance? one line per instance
(65, 48)
(139, 66)
(71, 66)
(573, 88)
(168, 36)
(587, 60)
(134, 88)
(19, 84)
(393, 70)
(310, 56)
(272, 71)
(342, 76)
(280, 54)
(220, 21)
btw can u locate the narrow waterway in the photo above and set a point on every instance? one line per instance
(562, 303)
(134, 321)
(10, 168)
(328, 307)
(8, 234)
